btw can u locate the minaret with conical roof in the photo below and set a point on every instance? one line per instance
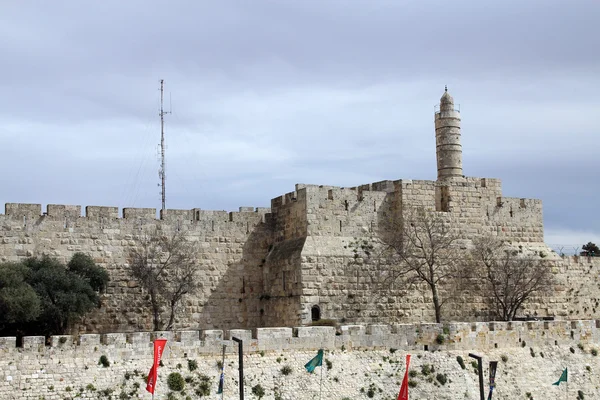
(447, 139)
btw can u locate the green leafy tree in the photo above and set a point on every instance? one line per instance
(42, 296)
(19, 303)
(591, 249)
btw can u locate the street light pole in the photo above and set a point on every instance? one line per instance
(480, 370)
(240, 343)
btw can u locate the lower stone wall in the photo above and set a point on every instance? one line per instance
(358, 360)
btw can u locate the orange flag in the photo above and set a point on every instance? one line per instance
(403, 395)
(159, 345)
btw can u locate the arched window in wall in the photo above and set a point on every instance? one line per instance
(315, 313)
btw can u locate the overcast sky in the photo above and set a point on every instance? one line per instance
(266, 94)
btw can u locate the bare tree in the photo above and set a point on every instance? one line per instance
(429, 249)
(510, 277)
(422, 249)
(166, 267)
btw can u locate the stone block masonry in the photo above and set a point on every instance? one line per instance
(231, 246)
(276, 266)
(291, 263)
(357, 358)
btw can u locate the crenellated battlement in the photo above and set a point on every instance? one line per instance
(481, 336)
(25, 211)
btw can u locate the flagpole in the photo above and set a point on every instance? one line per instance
(321, 383)
(223, 372)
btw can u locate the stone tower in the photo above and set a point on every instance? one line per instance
(447, 139)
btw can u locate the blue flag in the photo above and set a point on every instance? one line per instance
(221, 379)
(317, 361)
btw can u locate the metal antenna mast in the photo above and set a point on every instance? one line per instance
(161, 172)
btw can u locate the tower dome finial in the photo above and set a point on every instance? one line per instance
(445, 88)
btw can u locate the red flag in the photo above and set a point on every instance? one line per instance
(403, 395)
(159, 345)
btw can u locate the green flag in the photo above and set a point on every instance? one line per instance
(563, 378)
(315, 362)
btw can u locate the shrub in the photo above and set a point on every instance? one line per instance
(440, 339)
(461, 362)
(531, 352)
(441, 378)
(412, 383)
(426, 369)
(328, 363)
(580, 395)
(175, 382)
(371, 392)
(572, 350)
(412, 373)
(580, 346)
(286, 370)
(104, 361)
(192, 365)
(504, 358)
(258, 391)
(474, 365)
(204, 386)
(392, 350)
(594, 352)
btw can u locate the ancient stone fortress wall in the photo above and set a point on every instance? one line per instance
(272, 267)
(231, 245)
(337, 217)
(291, 263)
(357, 357)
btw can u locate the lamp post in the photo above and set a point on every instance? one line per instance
(480, 370)
(241, 364)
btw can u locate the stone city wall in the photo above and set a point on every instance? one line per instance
(273, 266)
(356, 357)
(230, 246)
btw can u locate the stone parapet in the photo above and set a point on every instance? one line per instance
(455, 335)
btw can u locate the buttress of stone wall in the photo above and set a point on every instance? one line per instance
(282, 277)
(337, 217)
(231, 247)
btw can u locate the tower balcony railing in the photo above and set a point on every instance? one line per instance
(436, 108)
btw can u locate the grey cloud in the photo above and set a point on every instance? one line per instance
(270, 93)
